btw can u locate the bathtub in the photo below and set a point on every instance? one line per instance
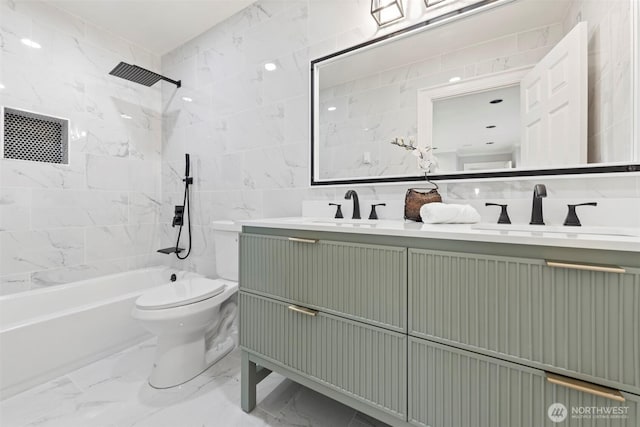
(45, 333)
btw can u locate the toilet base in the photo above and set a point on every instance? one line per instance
(178, 361)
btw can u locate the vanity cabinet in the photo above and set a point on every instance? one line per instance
(367, 283)
(449, 387)
(572, 321)
(429, 332)
(362, 361)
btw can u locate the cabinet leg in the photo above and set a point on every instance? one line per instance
(248, 382)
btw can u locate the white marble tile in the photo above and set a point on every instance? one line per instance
(114, 392)
(237, 205)
(144, 207)
(26, 251)
(73, 208)
(283, 33)
(13, 283)
(481, 51)
(20, 173)
(540, 37)
(78, 272)
(106, 173)
(111, 242)
(217, 172)
(284, 167)
(15, 213)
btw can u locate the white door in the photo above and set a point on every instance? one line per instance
(553, 105)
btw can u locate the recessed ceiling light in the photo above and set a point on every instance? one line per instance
(270, 66)
(187, 99)
(491, 126)
(1, 86)
(83, 133)
(489, 143)
(365, 129)
(126, 116)
(30, 43)
(495, 101)
(455, 79)
(332, 109)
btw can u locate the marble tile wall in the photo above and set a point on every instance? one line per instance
(247, 129)
(610, 76)
(97, 215)
(378, 108)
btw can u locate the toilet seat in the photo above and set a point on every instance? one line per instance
(180, 293)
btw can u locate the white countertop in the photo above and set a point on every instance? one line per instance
(572, 238)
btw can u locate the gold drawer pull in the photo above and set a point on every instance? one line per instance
(299, 240)
(585, 387)
(588, 267)
(303, 310)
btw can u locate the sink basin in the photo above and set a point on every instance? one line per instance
(603, 231)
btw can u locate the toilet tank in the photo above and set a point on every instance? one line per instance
(225, 240)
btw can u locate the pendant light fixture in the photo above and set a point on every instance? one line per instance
(386, 11)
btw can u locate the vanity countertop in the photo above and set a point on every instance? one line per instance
(468, 232)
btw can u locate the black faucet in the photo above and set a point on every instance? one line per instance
(539, 191)
(351, 194)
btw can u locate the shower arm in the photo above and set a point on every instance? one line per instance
(178, 83)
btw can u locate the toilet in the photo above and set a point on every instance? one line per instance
(186, 315)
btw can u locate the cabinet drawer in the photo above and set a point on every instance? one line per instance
(365, 362)
(363, 282)
(579, 323)
(449, 387)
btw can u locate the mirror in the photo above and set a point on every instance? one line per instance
(510, 88)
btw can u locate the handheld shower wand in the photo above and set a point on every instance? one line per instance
(178, 218)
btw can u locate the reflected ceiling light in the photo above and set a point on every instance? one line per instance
(476, 190)
(270, 66)
(495, 101)
(30, 43)
(386, 11)
(126, 116)
(1, 86)
(331, 109)
(455, 79)
(187, 99)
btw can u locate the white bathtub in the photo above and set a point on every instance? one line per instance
(48, 332)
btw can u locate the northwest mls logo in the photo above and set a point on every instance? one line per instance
(557, 412)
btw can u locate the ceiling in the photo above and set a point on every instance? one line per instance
(156, 25)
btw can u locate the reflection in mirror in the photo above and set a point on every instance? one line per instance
(478, 131)
(366, 98)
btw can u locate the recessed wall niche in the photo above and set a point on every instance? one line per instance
(35, 137)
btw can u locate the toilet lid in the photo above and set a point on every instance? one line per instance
(182, 292)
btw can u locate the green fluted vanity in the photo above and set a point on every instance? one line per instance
(443, 326)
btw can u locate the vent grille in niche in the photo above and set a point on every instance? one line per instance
(35, 137)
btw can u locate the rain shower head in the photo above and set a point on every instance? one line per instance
(140, 75)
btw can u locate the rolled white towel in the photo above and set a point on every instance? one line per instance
(440, 213)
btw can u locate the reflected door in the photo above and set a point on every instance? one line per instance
(553, 101)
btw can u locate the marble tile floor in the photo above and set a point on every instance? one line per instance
(113, 392)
